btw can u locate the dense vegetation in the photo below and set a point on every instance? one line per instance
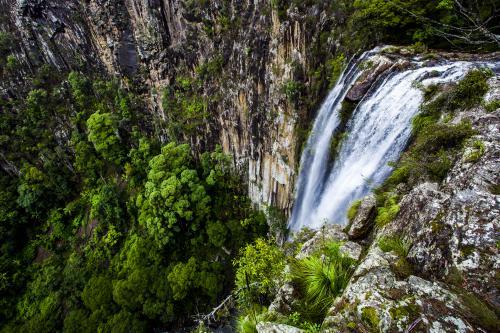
(102, 228)
(317, 279)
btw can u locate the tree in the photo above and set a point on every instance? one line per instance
(174, 198)
(460, 23)
(103, 133)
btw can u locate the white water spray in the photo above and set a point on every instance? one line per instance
(378, 132)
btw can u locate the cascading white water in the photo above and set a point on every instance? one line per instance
(377, 134)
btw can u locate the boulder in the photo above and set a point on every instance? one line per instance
(377, 65)
(376, 300)
(284, 299)
(364, 218)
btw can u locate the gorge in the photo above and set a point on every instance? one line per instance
(250, 166)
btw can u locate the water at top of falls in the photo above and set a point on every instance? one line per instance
(377, 134)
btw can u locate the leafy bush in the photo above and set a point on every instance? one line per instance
(259, 271)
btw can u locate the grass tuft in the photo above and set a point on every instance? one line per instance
(395, 244)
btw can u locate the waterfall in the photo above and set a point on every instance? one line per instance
(378, 132)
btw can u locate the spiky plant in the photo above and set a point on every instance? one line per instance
(321, 278)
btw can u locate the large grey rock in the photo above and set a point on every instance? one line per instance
(266, 327)
(377, 300)
(454, 226)
(364, 218)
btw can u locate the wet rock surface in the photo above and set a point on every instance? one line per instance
(374, 67)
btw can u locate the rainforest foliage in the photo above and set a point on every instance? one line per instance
(102, 227)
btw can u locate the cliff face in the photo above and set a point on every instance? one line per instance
(263, 60)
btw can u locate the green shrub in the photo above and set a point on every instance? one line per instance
(470, 90)
(259, 271)
(12, 63)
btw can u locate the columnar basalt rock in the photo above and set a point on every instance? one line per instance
(152, 42)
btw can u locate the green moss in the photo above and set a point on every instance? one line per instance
(341, 134)
(467, 250)
(346, 111)
(387, 212)
(492, 105)
(353, 210)
(369, 316)
(482, 315)
(454, 277)
(335, 66)
(335, 143)
(495, 189)
(476, 153)
(395, 244)
(351, 325)
(406, 312)
(430, 91)
(402, 268)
